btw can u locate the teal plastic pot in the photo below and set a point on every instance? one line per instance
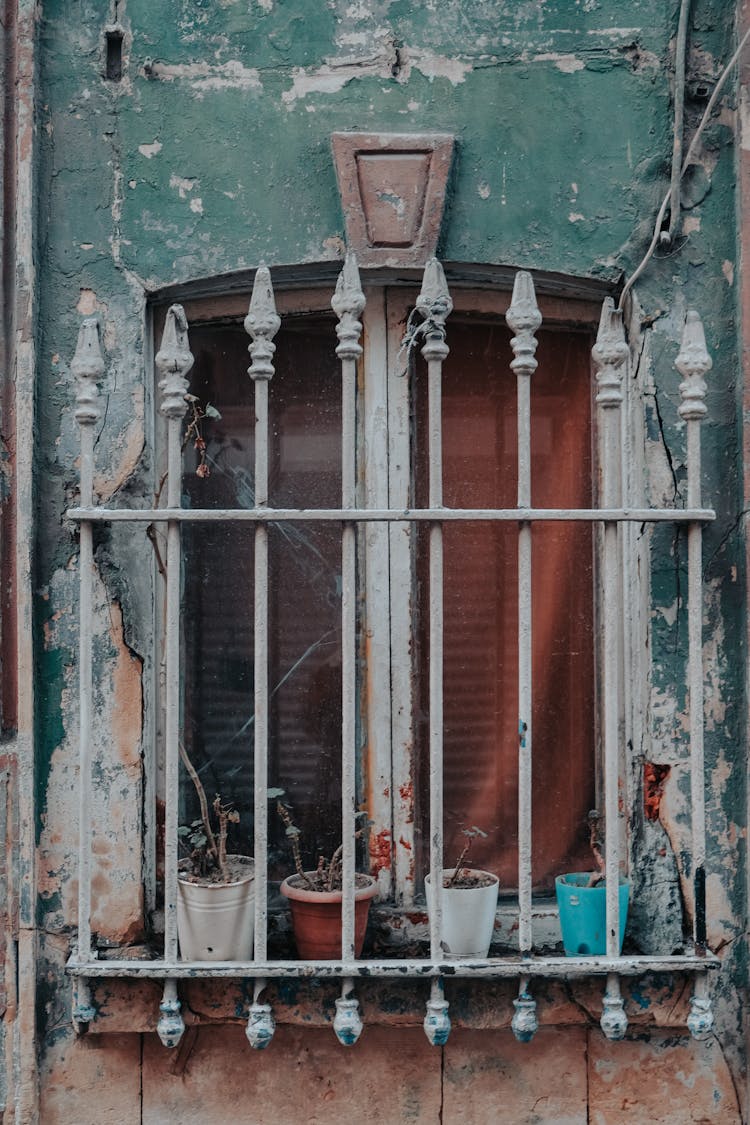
(583, 913)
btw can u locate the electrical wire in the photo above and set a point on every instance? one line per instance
(685, 164)
(679, 114)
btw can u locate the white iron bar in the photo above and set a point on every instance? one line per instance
(261, 323)
(562, 968)
(173, 361)
(348, 303)
(693, 362)
(609, 354)
(87, 367)
(172, 692)
(523, 318)
(434, 304)
(390, 515)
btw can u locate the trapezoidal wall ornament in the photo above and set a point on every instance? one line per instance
(392, 193)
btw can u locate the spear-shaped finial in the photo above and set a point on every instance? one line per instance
(348, 303)
(523, 318)
(88, 367)
(434, 301)
(434, 304)
(609, 354)
(693, 362)
(173, 361)
(262, 323)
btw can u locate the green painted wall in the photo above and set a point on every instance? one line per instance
(213, 154)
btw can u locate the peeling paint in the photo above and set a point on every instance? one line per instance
(203, 77)
(568, 64)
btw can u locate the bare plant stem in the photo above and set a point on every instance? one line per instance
(452, 881)
(222, 815)
(211, 847)
(294, 838)
(596, 851)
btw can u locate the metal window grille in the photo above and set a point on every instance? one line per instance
(434, 304)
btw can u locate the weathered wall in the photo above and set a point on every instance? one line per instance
(212, 154)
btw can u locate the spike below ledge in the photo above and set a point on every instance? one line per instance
(260, 1026)
(171, 1026)
(524, 1023)
(347, 1023)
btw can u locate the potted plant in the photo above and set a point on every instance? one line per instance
(215, 899)
(469, 904)
(582, 902)
(315, 897)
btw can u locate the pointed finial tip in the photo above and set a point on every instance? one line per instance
(523, 313)
(434, 300)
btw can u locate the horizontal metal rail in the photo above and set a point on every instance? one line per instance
(390, 515)
(510, 967)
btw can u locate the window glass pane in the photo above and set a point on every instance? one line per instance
(304, 585)
(480, 602)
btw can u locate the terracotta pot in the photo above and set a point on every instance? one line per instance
(316, 917)
(468, 915)
(215, 921)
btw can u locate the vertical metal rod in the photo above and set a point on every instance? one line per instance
(523, 318)
(87, 367)
(434, 304)
(173, 361)
(348, 303)
(609, 354)
(261, 323)
(693, 362)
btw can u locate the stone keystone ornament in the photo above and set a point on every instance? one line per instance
(393, 188)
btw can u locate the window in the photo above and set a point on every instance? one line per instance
(481, 620)
(358, 627)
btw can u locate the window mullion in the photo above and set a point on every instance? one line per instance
(377, 705)
(402, 538)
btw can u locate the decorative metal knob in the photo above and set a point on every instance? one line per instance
(701, 1019)
(437, 1022)
(614, 1022)
(84, 1011)
(347, 1022)
(524, 1023)
(260, 1026)
(171, 1026)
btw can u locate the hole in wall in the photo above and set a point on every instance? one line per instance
(113, 40)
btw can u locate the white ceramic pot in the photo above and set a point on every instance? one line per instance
(215, 920)
(468, 915)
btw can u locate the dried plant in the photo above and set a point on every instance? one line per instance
(206, 843)
(471, 835)
(594, 819)
(328, 874)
